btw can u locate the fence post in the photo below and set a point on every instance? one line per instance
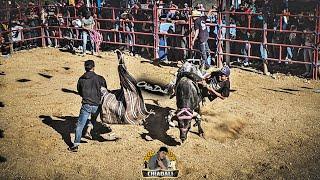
(113, 32)
(317, 41)
(59, 38)
(280, 22)
(10, 26)
(155, 30)
(190, 31)
(227, 23)
(220, 51)
(42, 37)
(280, 54)
(249, 27)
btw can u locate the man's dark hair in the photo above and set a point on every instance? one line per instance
(165, 149)
(88, 65)
(87, 14)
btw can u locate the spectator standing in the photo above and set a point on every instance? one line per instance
(107, 25)
(252, 6)
(267, 12)
(213, 30)
(32, 15)
(202, 9)
(138, 15)
(129, 27)
(186, 11)
(285, 18)
(292, 39)
(267, 23)
(4, 48)
(185, 29)
(44, 22)
(202, 35)
(148, 39)
(87, 25)
(172, 10)
(16, 34)
(308, 53)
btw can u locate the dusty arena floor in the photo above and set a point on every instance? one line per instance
(269, 128)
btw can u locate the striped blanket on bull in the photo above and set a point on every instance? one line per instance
(126, 105)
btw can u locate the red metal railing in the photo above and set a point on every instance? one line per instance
(221, 53)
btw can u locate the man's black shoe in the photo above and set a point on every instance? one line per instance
(73, 148)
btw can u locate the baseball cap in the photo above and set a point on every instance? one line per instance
(225, 70)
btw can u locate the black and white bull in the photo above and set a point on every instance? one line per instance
(188, 101)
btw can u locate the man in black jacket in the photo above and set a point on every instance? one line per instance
(89, 85)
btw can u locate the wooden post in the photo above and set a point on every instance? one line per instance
(227, 5)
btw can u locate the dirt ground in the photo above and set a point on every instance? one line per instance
(267, 129)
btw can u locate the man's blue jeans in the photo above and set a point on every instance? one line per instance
(205, 54)
(289, 53)
(85, 36)
(263, 52)
(85, 111)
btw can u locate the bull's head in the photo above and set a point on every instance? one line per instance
(185, 116)
(184, 127)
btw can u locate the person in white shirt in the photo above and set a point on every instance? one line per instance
(87, 23)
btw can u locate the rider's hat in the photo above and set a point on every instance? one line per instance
(225, 70)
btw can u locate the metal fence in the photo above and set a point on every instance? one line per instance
(222, 52)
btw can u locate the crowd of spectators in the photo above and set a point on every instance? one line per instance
(61, 24)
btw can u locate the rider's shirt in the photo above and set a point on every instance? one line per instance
(222, 87)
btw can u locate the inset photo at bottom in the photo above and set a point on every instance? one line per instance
(162, 163)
